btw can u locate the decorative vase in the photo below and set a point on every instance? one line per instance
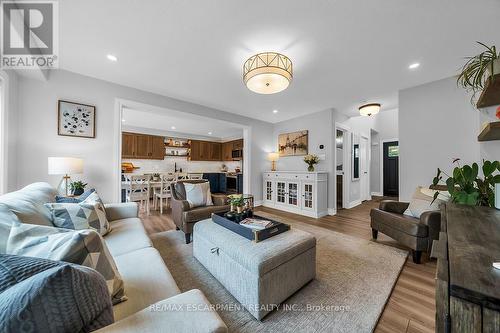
(232, 208)
(497, 195)
(239, 209)
(310, 168)
(78, 191)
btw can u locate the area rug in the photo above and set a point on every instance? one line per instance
(354, 279)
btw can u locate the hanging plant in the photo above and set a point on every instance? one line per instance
(478, 69)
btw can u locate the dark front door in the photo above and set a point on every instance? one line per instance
(391, 168)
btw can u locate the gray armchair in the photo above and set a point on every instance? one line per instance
(417, 234)
(184, 216)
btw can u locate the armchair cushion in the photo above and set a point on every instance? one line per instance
(422, 201)
(393, 206)
(198, 195)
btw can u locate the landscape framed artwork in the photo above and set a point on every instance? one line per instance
(293, 144)
(75, 119)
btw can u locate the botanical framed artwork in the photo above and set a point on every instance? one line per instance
(293, 144)
(75, 119)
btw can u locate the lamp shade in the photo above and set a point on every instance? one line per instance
(65, 165)
(267, 73)
(369, 109)
(273, 156)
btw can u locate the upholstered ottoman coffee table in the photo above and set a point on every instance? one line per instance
(259, 275)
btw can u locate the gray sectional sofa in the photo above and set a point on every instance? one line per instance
(152, 293)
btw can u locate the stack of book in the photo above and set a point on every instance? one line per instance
(257, 224)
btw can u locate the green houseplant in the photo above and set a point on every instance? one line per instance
(478, 69)
(78, 187)
(236, 201)
(467, 187)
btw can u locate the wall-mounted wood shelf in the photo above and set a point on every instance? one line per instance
(490, 132)
(491, 93)
(178, 147)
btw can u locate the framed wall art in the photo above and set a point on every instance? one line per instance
(75, 119)
(293, 144)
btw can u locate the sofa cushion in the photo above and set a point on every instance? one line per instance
(58, 297)
(77, 216)
(405, 224)
(127, 235)
(202, 213)
(147, 281)
(7, 218)
(28, 203)
(83, 196)
(187, 312)
(198, 195)
(82, 247)
(423, 201)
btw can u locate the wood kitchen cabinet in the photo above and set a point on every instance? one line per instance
(227, 151)
(205, 151)
(215, 151)
(142, 146)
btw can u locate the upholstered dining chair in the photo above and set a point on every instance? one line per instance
(139, 190)
(164, 191)
(196, 176)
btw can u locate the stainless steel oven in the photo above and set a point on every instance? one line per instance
(231, 184)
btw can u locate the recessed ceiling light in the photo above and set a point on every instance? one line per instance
(275, 111)
(414, 66)
(112, 57)
(173, 127)
(209, 133)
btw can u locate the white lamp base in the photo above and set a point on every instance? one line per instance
(63, 187)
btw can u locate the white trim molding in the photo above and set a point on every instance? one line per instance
(332, 211)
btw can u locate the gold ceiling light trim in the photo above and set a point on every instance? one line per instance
(369, 109)
(267, 72)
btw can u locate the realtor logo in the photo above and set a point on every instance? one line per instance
(29, 32)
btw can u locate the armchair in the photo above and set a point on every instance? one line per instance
(415, 233)
(184, 216)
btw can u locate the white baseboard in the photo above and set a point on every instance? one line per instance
(354, 204)
(332, 211)
(258, 203)
(377, 194)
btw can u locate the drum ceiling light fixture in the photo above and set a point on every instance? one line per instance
(369, 109)
(267, 72)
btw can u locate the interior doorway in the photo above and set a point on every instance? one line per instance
(390, 172)
(340, 146)
(364, 167)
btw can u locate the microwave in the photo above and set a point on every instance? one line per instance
(237, 154)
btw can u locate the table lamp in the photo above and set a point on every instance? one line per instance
(273, 157)
(65, 166)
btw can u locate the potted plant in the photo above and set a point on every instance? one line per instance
(311, 160)
(467, 187)
(77, 188)
(156, 176)
(478, 69)
(236, 201)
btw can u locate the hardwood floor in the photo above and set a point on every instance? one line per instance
(411, 306)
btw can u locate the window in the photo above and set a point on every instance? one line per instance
(393, 151)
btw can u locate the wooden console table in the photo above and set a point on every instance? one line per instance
(467, 285)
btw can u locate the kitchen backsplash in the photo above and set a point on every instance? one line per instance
(167, 165)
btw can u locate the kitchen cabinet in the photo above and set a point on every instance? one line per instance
(303, 193)
(142, 146)
(205, 151)
(215, 151)
(227, 151)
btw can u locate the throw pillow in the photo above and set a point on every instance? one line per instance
(88, 214)
(198, 194)
(53, 297)
(82, 247)
(60, 199)
(422, 202)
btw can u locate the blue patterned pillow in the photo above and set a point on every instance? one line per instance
(58, 297)
(60, 199)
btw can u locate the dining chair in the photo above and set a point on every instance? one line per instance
(195, 176)
(164, 191)
(139, 190)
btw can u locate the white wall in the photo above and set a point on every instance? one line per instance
(37, 136)
(437, 123)
(321, 132)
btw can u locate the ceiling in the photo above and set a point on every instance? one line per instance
(344, 52)
(184, 124)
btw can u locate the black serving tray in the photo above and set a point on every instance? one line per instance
(254, 235)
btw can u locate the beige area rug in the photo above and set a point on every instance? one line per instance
(354, 279)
